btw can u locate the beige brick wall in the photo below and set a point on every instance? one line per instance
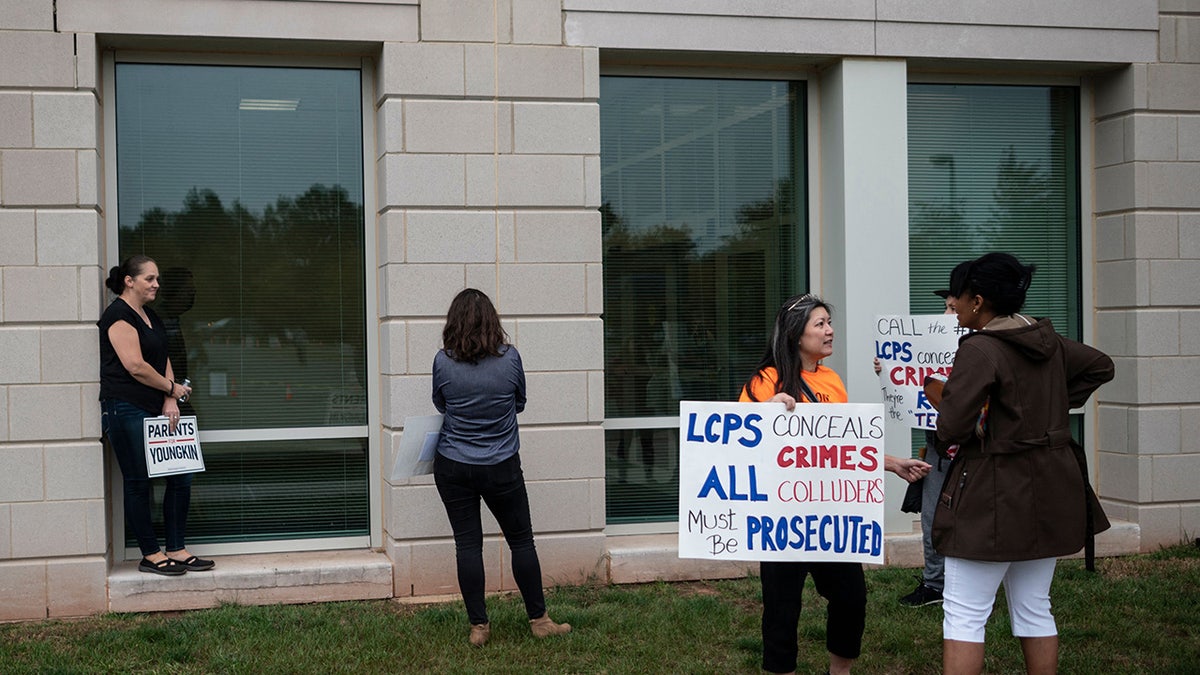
(1148, 282)
(488, 165)
(53, 527)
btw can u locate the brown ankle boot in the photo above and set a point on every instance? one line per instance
(544, 627)
(480, 632)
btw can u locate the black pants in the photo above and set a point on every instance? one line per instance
(502, 487)
(121, 422)
(842, 584)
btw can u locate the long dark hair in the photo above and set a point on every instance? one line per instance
(130, 267)
(473, 327)
(999, 278)
(783, 350)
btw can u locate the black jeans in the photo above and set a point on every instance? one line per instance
(842, 584)
(502, 488)
(121, 422)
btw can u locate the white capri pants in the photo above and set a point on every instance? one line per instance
(970, 594)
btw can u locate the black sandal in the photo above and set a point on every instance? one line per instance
(166, 567)
(194, 564)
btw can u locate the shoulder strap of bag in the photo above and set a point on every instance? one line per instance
(808, 394)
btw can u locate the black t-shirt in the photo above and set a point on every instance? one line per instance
(115, 381)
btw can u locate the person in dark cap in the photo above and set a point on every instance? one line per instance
(929, 587)
(932, 579)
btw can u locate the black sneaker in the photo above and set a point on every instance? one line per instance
(924, 595)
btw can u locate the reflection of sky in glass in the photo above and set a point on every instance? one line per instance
(692, 152)
(246, 155)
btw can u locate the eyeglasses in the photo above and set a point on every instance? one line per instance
(804, 299)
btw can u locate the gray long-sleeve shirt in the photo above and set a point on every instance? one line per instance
(480, 402)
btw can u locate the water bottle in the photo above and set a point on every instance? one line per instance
(187, 383)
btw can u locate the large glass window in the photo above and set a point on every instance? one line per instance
(703, 217)
(246, 185)
(995, 168)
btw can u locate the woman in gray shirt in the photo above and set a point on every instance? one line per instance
(479, 387)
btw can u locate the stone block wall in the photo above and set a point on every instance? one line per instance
(1147, 168)
(488, 177)
(53, 515)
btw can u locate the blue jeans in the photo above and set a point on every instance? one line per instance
(121, 422)
(502, 487)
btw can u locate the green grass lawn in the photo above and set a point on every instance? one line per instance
(1137, 614)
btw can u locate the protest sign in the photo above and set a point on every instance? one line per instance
(909, 349)
(170, 453)
(757, 482)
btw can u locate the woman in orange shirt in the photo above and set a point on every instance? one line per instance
(791, 371)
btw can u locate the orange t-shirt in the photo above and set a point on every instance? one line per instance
(825, 383)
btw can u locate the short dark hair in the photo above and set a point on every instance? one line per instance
(130, 267)
(783, 349)
(999, 278)
(473, 327)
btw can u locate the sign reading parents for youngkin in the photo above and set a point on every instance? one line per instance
(757, 482)
(911, 348)
(170, 453)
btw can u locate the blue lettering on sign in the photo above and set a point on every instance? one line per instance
(926, 420)
(895, 351)
(815, 532)
(713, 484)
(923, 401)
(718, 428)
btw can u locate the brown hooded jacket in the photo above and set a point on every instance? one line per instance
(1016, 491)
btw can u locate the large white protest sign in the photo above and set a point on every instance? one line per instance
(909, 349)
(169, 453)
(757, 482)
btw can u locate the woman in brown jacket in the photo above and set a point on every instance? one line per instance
(1015, 497)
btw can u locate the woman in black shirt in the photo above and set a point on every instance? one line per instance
(136, 382)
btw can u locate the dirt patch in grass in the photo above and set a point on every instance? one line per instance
(1130, 567)
(688, 588)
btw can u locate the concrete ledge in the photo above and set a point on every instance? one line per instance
(654, 557)
(328, 576)
(904, 549)
(1123, 538)
(639, 558)
(263, 579)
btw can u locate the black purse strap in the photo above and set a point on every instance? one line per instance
(808, 394)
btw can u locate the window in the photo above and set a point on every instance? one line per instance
(996, 168)
(246, 185)
(703, 223)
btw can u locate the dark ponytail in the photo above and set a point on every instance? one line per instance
(1001, 279)
(130, 267)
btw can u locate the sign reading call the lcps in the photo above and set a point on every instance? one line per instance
(757, 482)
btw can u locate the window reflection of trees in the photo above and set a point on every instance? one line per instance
(277, 330)
(685, 321)
(1025, 199)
